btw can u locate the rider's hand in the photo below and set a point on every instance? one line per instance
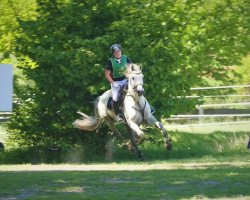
(115, 84)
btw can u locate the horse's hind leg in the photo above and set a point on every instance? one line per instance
(153, 121)
(117, 132)
(133, 141)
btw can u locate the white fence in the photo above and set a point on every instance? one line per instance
(220, 87)
(201, 108)
(5, 116)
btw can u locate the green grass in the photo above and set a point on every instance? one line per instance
(187, 145)
(201, 165)
(207, 181)
(206, 128)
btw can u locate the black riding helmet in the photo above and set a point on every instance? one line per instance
(115, 47)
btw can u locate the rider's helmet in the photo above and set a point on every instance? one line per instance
(115, 47)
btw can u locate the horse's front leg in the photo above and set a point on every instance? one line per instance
(152, 121)
(134, 127)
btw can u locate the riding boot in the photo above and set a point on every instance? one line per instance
(118, 114)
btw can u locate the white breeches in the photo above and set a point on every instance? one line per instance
(115, 87)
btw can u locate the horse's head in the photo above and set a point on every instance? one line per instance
(135, 78)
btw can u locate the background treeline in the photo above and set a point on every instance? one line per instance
(61, 48)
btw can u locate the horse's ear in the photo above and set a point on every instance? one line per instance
(132, 67)
(140, 67)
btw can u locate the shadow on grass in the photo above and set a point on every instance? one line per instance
(213, 182)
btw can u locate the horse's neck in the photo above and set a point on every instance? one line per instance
(137, 99)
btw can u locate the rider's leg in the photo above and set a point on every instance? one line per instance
(115, 92)
(115, 107)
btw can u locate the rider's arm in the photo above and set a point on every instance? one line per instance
(108, 70)
(108, 76)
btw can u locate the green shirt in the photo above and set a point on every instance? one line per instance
(119, 68)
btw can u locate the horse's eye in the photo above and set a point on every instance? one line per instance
(133, 78)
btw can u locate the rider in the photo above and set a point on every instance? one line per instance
(115, 74)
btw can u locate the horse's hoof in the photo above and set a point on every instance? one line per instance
(140, 141)
(143, 159)
(132, 150)
(169, 146)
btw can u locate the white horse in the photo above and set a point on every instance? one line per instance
(136, 110)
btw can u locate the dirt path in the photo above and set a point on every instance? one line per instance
(119, 167)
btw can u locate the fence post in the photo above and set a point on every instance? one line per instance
(201, 112)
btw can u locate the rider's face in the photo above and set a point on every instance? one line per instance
(117, 54)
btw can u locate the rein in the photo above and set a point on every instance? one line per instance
(141, 109)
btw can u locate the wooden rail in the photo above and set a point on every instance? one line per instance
(224, 104)
(4, 116)
(220, 87)
(201, 107)
(204, 115)
(216, 96)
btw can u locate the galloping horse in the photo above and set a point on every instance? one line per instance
(136, 110)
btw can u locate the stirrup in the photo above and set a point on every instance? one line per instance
(119, 118)
(152, 110)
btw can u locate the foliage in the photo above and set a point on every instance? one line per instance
(65, 48)
(182, 42)
(243, 71)
(11, 11)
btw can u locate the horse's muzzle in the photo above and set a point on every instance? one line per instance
(140, 90)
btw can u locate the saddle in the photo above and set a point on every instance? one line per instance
(121, 96)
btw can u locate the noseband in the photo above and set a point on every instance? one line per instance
(135, 86)
(141, 108)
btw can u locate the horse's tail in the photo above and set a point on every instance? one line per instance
(89, 123)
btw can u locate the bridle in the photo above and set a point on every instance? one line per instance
(135, 86)
(137, 102)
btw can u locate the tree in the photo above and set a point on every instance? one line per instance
(65, 48)
(182, 42)
(178, 43)
(11, 11)
(244, 76)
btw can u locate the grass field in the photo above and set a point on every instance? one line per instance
(212, 165)
(211, 127)
(166, 180)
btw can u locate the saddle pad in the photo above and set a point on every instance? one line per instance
(109, 104)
